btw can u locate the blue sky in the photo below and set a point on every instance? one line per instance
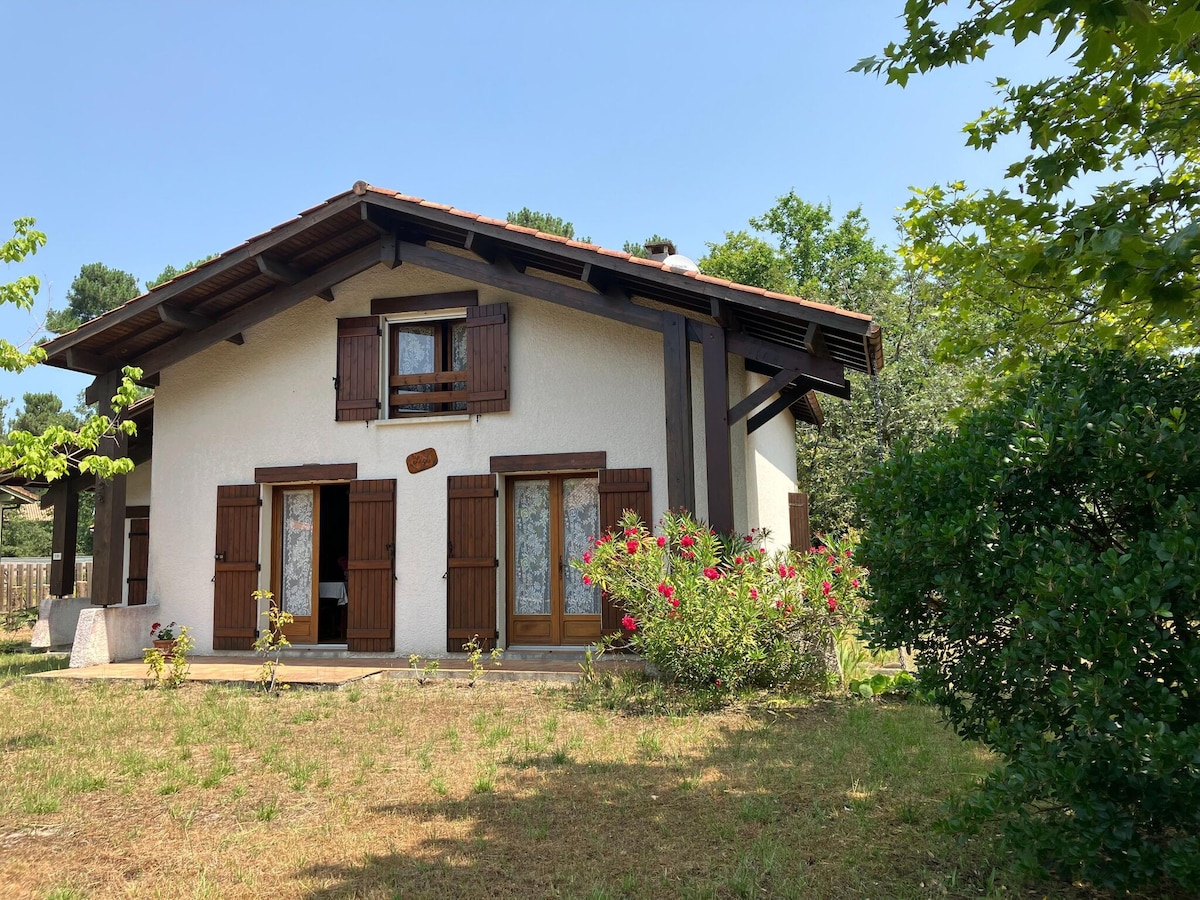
(147, 134)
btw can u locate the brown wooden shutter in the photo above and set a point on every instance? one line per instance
(357, 369)
(471, 561)
(798, 519)
(235, 575)
(139, 561)
(487, 358)
(621, 489)
(371, 581)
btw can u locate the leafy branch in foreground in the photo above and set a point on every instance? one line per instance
(1119, 265)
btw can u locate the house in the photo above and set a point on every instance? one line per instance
(405, 419)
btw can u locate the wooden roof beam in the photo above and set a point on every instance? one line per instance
(269, 304)
(173, 315)
(93, 363)
(278, 270)
(761, 394)
(814, 341)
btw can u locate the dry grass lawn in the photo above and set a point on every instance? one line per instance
(391, 789)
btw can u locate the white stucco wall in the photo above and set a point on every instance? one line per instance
(578, 383)
(770, 471)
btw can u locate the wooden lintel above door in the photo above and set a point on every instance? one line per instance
(307, 473)
(550, 462)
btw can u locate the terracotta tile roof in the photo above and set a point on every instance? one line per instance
(362, 188)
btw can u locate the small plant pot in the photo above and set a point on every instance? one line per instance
(166, 648)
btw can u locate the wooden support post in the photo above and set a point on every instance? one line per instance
(65, 535)
(677, 390)
(108, 545)
(716, 429)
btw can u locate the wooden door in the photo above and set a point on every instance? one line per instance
(470, 561)
(550, 518)
(295, 542)
(371, 577)
(235, 572)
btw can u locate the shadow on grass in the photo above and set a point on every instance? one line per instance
(833, 801)
(18, 658)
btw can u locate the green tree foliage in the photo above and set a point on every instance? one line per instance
(171, 272)
(837, 262)
(51, 452)
(1046, 260)
(1044, 563)
(95, 290)
(528, 218)
(42, 410)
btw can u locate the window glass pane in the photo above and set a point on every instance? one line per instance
(581, 514)
(531, 555)
(414, 349)
(296, 560)
(458, 358)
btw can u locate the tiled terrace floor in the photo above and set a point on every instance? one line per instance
(337, 672)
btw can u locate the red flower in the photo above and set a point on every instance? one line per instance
(814, 550)
(604, 539)
(849, 553)
(632, 547)
(662, 541)
(738, 560)
(666, 590)
(837, 570)
(832, 559)
(587, 556)
(750, 556)
(749, 539)
(629, 623)
(630, 532)
(787, 571)
(686, 541)
(587, 579)
(779, 604)
(718, 682)
(831, 603)
(675, 602)
(753, 594)
(689, 554)
(826, 587)
(712, 574)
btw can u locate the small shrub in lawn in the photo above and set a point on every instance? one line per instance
(1044, 563)
(722, 613)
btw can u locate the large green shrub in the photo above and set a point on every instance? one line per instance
(1044, 563)
(721, 612)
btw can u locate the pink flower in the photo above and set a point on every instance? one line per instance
(831, 603)
(632, 547)
(779, 604)
(749, 539)
(630, 532)
(712, 574)
(604, 539)
(753, 594)
(854, 583)
(629, 623)
(587, 579)
(689, 554)
(837, 570)
(782, 571)
(826, 587)
(587, 556)
(832, 559)
(814, 550)
(675, 602)
(686, 541)
(738, 560)
(849, 553)
(750, 556)
(662, 541)
(787, 571)
(666, 590)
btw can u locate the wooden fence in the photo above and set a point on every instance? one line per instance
(27, 581)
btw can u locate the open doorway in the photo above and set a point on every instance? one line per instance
(312, 525)
(332, 563)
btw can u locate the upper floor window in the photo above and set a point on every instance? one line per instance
(427, 367)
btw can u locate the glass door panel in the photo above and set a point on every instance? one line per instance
(531, 547)
(581, 520)
(296, 542)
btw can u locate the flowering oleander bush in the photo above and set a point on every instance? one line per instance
(722, 612)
